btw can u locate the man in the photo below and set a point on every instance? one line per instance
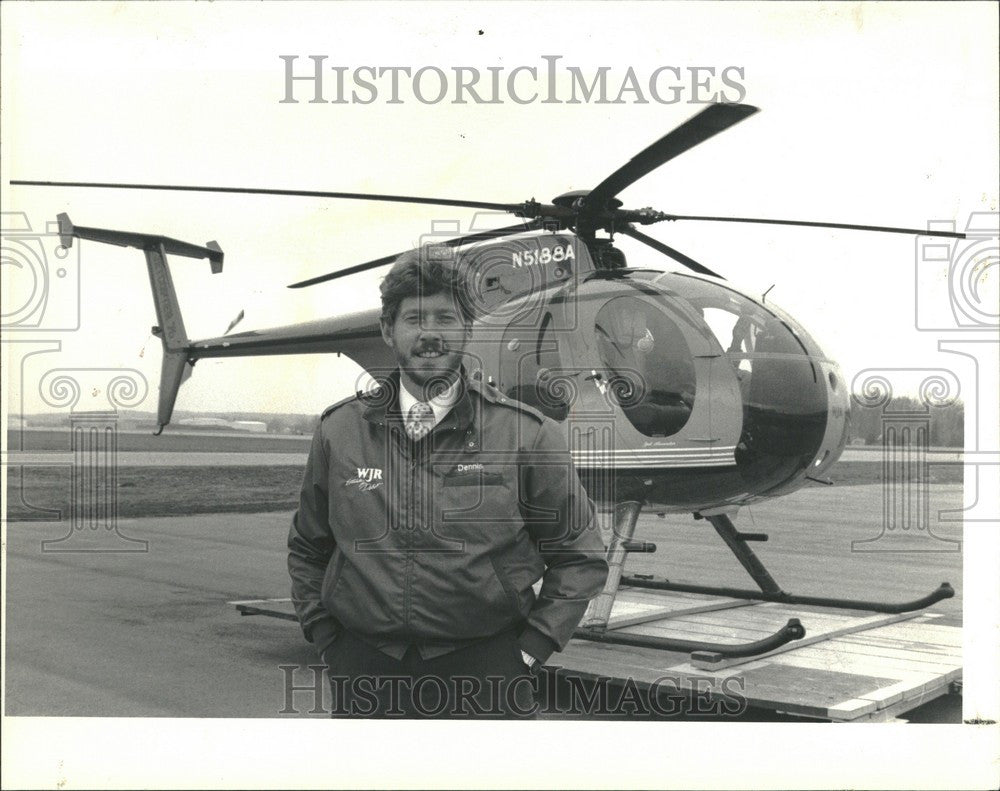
(429, 508)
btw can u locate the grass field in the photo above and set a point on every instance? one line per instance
(160, 491)
(43, 439)
(249, 484)
(33, 492)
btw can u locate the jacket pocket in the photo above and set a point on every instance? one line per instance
(332, 576)
(513, 601)
(483, 479)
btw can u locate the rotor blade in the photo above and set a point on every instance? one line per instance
(810, 224)
(388, 259)
(234, 322)
(678, 256)
(709, 122)
(469, 204)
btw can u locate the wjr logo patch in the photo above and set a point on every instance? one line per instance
(368, 478)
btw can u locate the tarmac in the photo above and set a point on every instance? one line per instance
(137, 621)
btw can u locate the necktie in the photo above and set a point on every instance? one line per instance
(419, 420)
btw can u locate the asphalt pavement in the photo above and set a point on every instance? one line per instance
(116, 632)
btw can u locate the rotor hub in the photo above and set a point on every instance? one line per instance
(572, 199)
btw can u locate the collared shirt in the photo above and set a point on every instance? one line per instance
(440, 405)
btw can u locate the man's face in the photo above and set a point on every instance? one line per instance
(428, 336)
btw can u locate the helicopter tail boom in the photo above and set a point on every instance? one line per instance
(178, 356)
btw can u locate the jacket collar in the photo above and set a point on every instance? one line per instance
(382, 403)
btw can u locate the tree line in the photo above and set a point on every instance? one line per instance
(947, 423)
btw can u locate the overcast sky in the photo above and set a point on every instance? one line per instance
(871, 114)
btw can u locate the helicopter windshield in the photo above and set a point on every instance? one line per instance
(650, 366)
(751, 335)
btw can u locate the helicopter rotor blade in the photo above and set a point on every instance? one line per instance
(351, 270)
(811, 224)
(678, 256)
(388, 259)
(466, 204)
(709, 122)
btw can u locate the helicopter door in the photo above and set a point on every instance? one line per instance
(670, 378)
(527, 353)
(650, 365)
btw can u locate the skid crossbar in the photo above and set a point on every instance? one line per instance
(770, 590)
(595, 623)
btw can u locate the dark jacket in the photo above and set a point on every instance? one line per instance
(440, 541)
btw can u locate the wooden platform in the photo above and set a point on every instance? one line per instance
(852, 666)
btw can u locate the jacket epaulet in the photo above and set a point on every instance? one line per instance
(339, 404)
(494, 395)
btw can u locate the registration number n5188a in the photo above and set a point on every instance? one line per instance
(541, 257)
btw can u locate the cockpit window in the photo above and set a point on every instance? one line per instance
(741, 325)
(736, 332)
(650, 369)
(749, 333)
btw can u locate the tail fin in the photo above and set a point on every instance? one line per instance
(170, 323)
(177, 367)
(178, 354)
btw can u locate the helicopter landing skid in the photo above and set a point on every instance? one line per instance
(793, 630)
(769, 589)
(594, 625)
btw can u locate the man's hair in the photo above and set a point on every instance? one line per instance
(420, 273)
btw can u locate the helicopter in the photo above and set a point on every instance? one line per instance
(676, 390)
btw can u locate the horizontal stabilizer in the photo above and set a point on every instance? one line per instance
(142, 241)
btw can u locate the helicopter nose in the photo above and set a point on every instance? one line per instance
(838, 419)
